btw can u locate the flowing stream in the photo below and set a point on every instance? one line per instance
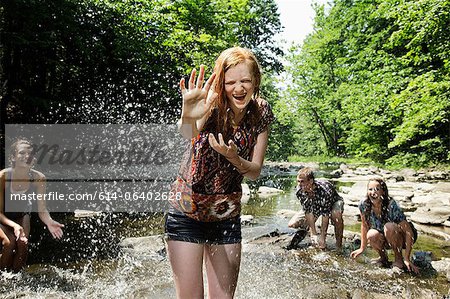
(89, 263)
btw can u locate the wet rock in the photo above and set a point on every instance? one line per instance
(245, 193)
(442, 266)
(442, 187)
(336, 173)
(422, 199)
(358, 190)
(435, 231)
(286, 213)
(436, 175)
(418, 293)
(322, 290)
(151, 247)
(425, 187)
(431, 215)
(264, 191)
(351, 211)
(401, 194)
(297, 220)
(247, 219)
(344, 167)
(408, 173)
(362, 294)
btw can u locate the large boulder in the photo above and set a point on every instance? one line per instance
(434, 215)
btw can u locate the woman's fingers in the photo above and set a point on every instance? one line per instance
(210, 82)
(212, 140)
(183, 87)
(232, 145)
(192, 79)
(221, 142)
(201, 77)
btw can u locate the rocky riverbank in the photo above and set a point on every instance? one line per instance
(423, 195)
(271, 270)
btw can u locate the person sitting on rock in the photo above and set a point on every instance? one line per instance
(319, 198)
(383, 226)
(19, 181)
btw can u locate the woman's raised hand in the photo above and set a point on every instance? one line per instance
(197, 99)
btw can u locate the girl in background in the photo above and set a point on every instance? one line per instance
(384, 225)
(21, 180)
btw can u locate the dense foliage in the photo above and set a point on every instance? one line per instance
(372, 80)
(119, 61)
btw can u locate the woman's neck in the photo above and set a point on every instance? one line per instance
(20, 171)
(238, 116)
(376, 208)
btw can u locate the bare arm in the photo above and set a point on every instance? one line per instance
(409, 241)
(54, 227)
(364, 230)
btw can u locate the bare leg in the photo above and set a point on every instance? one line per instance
(395, 238)
(377, 242)
(186, 260)
(338, 222)
(222, 269)
(9, 243)
(20, 257)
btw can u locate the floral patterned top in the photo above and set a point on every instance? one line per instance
(325, 195)
(216, 183)
(395, 214)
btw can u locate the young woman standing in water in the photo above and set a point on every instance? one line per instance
(228, 126)
(21, 180)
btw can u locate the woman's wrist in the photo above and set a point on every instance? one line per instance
(238, 162)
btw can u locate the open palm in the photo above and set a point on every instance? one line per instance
(197, 99)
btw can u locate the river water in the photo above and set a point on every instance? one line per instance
(88, 263)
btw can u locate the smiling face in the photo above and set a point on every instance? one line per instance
(374, 191)
(239, 87)
(304, 183)
(23, 156)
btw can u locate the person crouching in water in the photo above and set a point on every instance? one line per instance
(21, 179)
(319, 198)
(384, 225)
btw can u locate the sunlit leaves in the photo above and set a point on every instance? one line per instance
(375, 74)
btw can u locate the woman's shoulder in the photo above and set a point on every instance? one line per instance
(363, 204)
(392, 202)
(265, 114)
(37, 175)
(5, 172)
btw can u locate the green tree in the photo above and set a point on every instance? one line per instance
(373, 78)
(113, 61)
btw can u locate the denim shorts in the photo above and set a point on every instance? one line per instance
(179, 227)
